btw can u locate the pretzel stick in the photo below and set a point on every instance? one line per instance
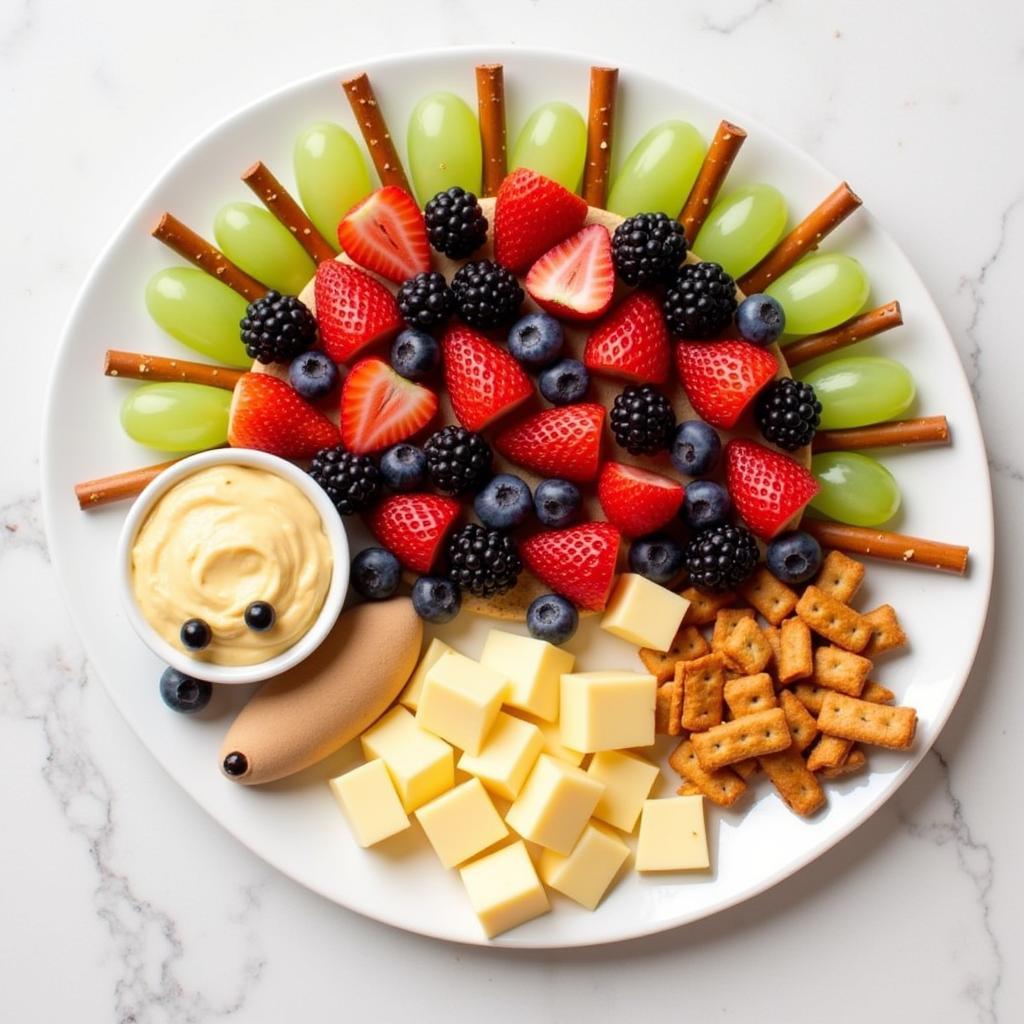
(490, 105)
(721, 153)
(118, 486)
(894, 547)
(927, 430)
(805, 236)
(135, 366)
(192, 247)
(375, 132)
(867, 325)
(600, 125)
(274, 196)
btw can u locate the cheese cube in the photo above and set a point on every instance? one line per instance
(506, 758)
(627, 783)
(554, 805)
(368, 798)
(461, 823)
(552, 734)
(672, 835)
(504, 889)
(460, 700)
(644, 613)
(535, 668)
(410, 696)
(607, 710)
(584, 876)
(420, 765)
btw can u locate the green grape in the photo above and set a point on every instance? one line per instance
(444, 146)
(262, 246)
(822, 290)
(177, 417)
(200, 311)
(553, 142)
(860, 390)
(659, 172)
(331, 175)
(742, 228)
(855, 489)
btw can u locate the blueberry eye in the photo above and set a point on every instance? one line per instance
(259, 616)
(195, 634)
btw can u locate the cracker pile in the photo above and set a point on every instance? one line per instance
(789, 694)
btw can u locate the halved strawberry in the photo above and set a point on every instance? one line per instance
(483, 380)
(578, 562)
(722, 377)
(575, 280)
(413, 527)
(352, 310)
(385, 233)
(766, 487)
(531, 214)
(380, 408)
(632, 343)
(562, 442)
(637, 501)
(268, 415)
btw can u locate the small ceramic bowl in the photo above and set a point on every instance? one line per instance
(322, 625)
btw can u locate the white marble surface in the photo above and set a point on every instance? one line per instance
(120, 901)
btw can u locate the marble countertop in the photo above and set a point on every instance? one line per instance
(122, 903)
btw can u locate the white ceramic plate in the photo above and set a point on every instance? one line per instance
(295, 825)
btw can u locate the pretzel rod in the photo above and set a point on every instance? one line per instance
(118, 486)
(867, 325)
(192, 247)
(822, 220)
(275, 197)
(375, 132)
(490, 105)
(893, 547)
(600, 125)
(135, 366)
(927, 430)
(721, 153)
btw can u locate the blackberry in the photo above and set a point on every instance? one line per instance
(648, 247)
(456, 225)
(458, 461)
(486, 294)
(425, 300)
(642, 420)
(788, 413)
(721, 557)
(700, 301)
(277, 328)
(484, 562)
(352, 482)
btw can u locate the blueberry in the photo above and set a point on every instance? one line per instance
(260, 616)
(567, 381)
(657, 557)
(415, 354)
(195, 634)
(504, 503)
(375, 574)
(760, 319)
(695, 448)
(313, 375)
(557, 502)
(436, 599)
(404, 467)
(183, 693)
(706, 504)
(793, 557)
(536, 340)
(552, 618)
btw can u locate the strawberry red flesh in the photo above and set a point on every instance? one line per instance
(578, 562)
(564, 442)
(352, 310)
(637, 501)
(379, 408)
(575, 280)
(413, 527)
(632, 343)
(385, 233)
(267, 414)
(721, 378)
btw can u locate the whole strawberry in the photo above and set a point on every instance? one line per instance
(632, 342)
(352, 310)
(413, 527)
(638, 502)
(267, 414)
(766, 487)
(564, 442)
(578, 562)
(721, 378)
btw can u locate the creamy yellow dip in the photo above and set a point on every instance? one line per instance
(218, 540)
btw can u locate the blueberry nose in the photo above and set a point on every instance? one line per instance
(236, 764)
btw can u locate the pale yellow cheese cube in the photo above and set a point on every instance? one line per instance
(504, 889)
(420, 765)
(672, 835)
(460, 700)
(607, 710)
(552, 734)
(410, 696)
(461, 823)
(368, 797)
(554, 805)
(627, 784)
(644, 613)
(506, 758)
(534, 667)
(586, 873)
